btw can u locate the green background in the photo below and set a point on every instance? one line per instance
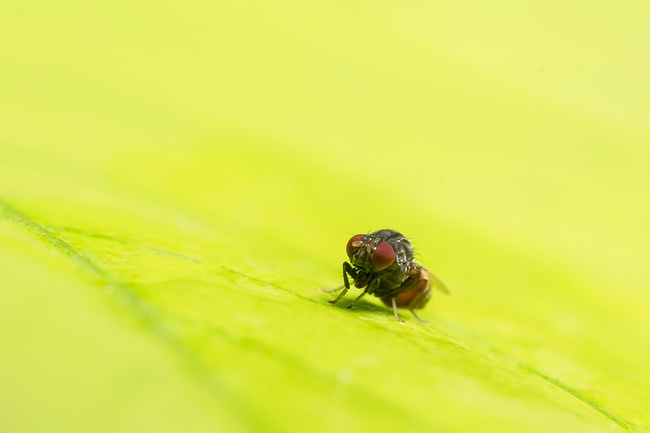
(177, 179)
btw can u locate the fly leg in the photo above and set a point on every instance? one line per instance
(331, 290)
(424, 322)
(370, 289)
(349, 307)
(416, 301)
(347, 269)
(395, 311)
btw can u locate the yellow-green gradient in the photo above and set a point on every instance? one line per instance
(177, 179)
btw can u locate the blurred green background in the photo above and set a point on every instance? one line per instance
(177, 179)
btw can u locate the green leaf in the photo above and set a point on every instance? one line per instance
(177, 180)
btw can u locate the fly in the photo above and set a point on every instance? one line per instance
(382, 264)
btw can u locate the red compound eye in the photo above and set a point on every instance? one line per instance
(383, 256)
(354, 244)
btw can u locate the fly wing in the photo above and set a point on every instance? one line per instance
(418, 296)
(415, 291)
(436, 283)
(413, 279)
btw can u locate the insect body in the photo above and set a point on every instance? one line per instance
(382, 264)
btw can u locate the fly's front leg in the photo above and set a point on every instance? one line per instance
(331, 290)
(370, 289)
(347, 269)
